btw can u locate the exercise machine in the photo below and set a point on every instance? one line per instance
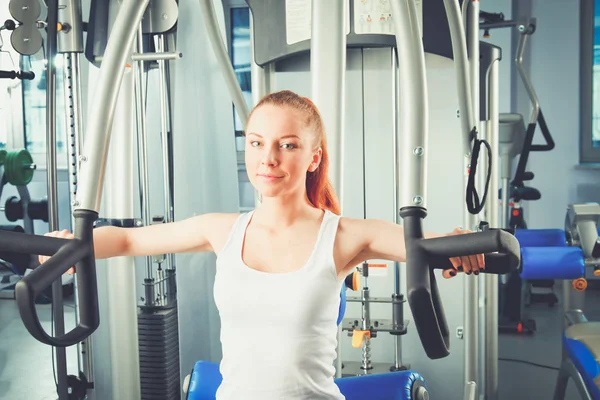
(516, 139)
(580, 338)
(423, 296)
(16, 170)
(206, 383)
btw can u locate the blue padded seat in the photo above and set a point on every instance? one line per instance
(206, 378)
(582, 344)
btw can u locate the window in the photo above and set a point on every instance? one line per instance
(590, 82)
(240, 55)
(34, 111)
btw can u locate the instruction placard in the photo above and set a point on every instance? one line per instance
(298, 18)
(375, 17)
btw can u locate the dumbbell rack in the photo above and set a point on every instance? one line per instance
(16, 168)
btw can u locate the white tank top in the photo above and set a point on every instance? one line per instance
(278, 330)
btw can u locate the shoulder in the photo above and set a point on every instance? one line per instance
(218, 227)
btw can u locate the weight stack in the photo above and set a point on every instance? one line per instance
(159, 354)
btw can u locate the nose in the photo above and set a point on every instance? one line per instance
(269, 157)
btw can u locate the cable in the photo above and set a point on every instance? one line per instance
(474, 205)
(529, 363)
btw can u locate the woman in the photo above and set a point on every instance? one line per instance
(280, 267)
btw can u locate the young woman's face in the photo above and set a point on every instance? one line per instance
(279, 151)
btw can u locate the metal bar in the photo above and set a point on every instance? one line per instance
(496, 25)
(142, 133)
(70, 39)
(259, 80)
(328, 71)
(214, 36)
(491, 280)
(162, 88)
(505, 203)
(158, 56)
(52, 180)
(413, 111)
(471, 284)
(72, 89)
(459, 49)
(397, 279)
(101, 116)
(121, 294)
(526, 81)
(472, 19)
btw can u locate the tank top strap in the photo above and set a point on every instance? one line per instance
(238, 231)
(325, 246)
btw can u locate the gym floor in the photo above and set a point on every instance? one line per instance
(26, 367)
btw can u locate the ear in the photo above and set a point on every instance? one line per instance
(316, 160)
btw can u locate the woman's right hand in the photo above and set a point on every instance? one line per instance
(64, 234)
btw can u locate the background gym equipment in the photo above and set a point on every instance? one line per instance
(16, 169)
(517, 139)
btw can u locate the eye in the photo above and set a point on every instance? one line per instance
(254, 143)
(289, 146)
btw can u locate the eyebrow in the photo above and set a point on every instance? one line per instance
(283, 137)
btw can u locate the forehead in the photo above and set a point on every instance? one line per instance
(270, 120)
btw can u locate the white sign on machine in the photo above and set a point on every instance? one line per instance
(371, 17)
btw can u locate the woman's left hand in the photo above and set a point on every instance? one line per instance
(470, 264)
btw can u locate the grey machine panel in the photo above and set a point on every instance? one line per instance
(488, 53)
(270, 32)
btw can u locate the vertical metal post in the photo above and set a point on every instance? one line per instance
(100, 118)
(260, 81)
(52, 180)
(413, 110)
(72, 89)
(328, 77)
(491, 290)
(396, 308)
(474, 62)
(122, 302)
(166, 148)
(142, 133)
(468, 122)
(214, 36)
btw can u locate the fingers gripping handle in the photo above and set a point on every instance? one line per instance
(422, 292)
(65, 253)
(502, 250)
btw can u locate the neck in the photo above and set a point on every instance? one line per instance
(284, 210)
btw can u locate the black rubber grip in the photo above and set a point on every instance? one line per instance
(64, 253)
(423, 256)
(26, 75)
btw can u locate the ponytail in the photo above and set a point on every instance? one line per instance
(319, 190)
(318, 187)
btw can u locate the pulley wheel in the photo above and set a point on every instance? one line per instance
(25, 11)
(19, 167)
(26, 39)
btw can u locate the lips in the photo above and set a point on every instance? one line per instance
(269, 177)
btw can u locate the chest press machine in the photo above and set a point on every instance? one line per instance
(423, 255)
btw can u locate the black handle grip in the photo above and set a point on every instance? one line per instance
(495, 263)
(424, 255)
(8, 74)
(528, 176)
(26, 75)
(64, 254)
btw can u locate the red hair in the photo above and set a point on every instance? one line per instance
(318, 187)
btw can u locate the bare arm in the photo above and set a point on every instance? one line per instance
(203, 233)
(195, 234)
(377, 239)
